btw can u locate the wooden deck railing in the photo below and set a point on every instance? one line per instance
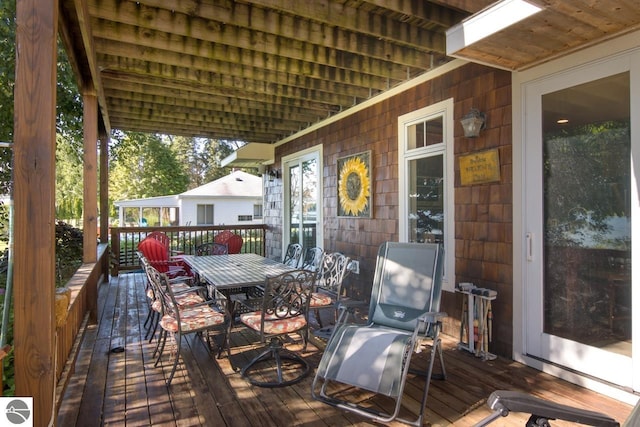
(184, 239)
(81, 310)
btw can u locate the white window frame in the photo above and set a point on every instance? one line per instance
(444, 109)
(205, 206)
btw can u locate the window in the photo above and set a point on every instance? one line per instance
(242, 218)
(205, 215)
(257, 211)
(425, 145)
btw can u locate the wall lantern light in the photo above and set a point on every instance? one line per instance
(473, 123)
(273, 174)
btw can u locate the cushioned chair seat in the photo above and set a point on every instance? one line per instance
(272, 324)
(319, 299)
(193, 319)
(183, 300)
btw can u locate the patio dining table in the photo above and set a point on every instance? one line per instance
(233, 271)
(234, 276)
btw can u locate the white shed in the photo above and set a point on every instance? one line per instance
(232, 199)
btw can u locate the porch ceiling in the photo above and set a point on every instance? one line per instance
(561, 27)
(259, 71)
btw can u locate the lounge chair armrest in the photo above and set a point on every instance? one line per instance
(432, 317)
(504, 401)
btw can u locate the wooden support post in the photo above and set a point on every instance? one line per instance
(90, 177)
(104, 187)
(34, 201)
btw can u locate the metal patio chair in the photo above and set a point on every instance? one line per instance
(375, 357)
(311, 258)
(178, 319)
(212, 248)
(292, 255)
(328, 289)
(183, 288)
(281, 311)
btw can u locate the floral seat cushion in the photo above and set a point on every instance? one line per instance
(183, 300)
(274, 325)
(319, 299)
(176, 287)
(193, 319)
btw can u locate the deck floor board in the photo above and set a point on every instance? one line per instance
(125, 388)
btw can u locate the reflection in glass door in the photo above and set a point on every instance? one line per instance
(587, 219)
(579, 301)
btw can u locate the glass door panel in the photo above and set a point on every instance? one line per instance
(587, 214)
(303, 206)
(295, 205)
(580, 193)
(309, 202)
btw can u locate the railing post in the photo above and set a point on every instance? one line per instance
(115, 250)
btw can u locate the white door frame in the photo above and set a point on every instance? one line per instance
(625, 48)
(300, 156)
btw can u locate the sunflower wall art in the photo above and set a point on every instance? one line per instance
(354, 185)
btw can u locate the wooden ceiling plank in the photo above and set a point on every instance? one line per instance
(337, 15)
(607, 16)
(189, 79)
(471, 6)
(434, 13)
(200, 120)
(180, 106)
(155, 95)
(146, 91)
(228, 86)
(225, 131)
(257, 110)
(227, 35)
(287, 26)
(234, 60)
(317, 79)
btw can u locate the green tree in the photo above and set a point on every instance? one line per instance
(201, 157)
(188, 154)
(144, 166)
(7, 81)
(69, 172)
(213, 152)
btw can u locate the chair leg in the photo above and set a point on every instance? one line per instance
(226, 342)
(162, 339)
(178, 339)
(276, 351)
(146, 320)
(153, 327)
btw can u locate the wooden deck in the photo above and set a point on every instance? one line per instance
(110, 388)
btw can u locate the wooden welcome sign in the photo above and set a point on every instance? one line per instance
(479, 168)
